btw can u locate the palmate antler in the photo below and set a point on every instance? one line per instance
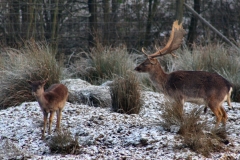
(174, 41)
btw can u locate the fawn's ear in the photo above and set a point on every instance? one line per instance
(29, 82)
(46, 80)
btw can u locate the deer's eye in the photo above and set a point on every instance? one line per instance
(145, 64)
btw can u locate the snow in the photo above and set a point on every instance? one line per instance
(104, 134)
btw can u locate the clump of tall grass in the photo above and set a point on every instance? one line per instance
(102, 64)
(64, 143)
(125, 94)
(35, 61)
(8, 150)
(106, 63)
(195, 133)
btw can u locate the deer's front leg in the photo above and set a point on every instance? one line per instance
(45, 115)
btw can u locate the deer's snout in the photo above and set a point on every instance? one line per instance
(137, 69)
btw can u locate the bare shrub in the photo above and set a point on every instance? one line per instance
(35, 61)
(64, 143)
(125, 94)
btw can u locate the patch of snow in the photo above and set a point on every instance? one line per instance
(107, 135)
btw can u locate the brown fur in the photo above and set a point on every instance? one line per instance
(198, 87)
(50, 101)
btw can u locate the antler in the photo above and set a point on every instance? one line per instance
(174, 41)
(143, 50)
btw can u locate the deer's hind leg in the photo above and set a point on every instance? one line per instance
(50, 121)
(178, 105)
(59, 117)
(219, 112)
(229, 100)
(224, 115)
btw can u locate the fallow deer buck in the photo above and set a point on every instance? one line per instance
(198, 87)
(50, 101)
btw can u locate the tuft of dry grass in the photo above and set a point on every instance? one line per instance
(101, 64)
(195, 133)
(220, 134)
(35, 61)
(9, 151)
(64, 143)
(171, 115)
(191, 123)
(125, 94)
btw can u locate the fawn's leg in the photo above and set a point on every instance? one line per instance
(59, 117)
(205, 110)
(229, 101)
(45, 115)
(50, 121)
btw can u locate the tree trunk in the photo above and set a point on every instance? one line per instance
(55, 26)
(151, 12)
(179, 10)
(30, 21)
(47, 19)
(114, 19)
(13, 35)
(92, 7)
(106, 27)
(193, 25)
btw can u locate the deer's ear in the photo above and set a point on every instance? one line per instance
(153, 60)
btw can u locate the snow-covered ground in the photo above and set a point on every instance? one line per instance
(106, 135)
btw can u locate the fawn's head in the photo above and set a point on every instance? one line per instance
(173, 43)
(37, 86)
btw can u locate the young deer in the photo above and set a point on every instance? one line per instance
(50, 101)
(188, 86)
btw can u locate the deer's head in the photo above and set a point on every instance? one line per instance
(173, 43)
(147, 65)
(37, 86)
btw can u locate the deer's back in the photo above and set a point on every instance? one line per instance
(197, 84)
(55, 94)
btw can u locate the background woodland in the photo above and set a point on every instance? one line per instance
(74, 25)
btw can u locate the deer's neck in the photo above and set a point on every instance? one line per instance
(41, 99)
(158, 77)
